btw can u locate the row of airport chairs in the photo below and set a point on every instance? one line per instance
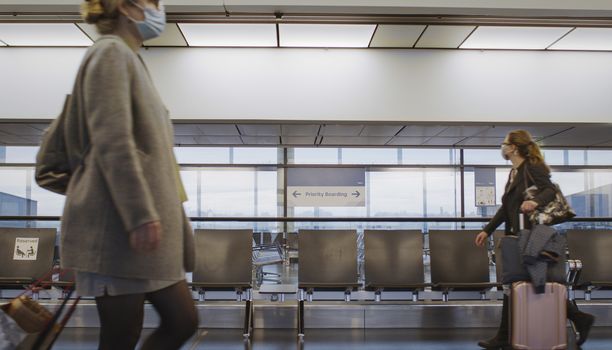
(328, 261)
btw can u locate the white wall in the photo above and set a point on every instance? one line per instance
(343, 84)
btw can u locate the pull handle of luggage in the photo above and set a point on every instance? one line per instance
(522, 220)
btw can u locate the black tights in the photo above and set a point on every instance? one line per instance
(121, 319)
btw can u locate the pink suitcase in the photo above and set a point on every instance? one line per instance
(538, 321)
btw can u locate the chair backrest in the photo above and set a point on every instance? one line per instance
(393, 258)
(499, 267)
(455, 259)
(224, 258)
(593, 248)
(26, 252)
(327, 258)
(292, 240)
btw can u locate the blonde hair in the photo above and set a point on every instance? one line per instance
(526, 147)
(103, 13)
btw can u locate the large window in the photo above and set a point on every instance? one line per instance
(400, 182)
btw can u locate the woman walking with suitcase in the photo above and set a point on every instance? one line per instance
(526, 158)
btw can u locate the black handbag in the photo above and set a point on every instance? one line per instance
(555, 212)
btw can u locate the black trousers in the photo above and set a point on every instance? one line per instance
(121, 319)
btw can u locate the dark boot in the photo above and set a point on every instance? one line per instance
(501, 339)
(581, 320)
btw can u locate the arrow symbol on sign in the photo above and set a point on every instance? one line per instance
(296, 194)
(356, 194)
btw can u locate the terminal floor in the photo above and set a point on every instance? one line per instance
(332, 339)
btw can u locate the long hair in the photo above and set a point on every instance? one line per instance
(526, 147)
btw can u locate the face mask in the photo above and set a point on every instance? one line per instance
(504, 155)
(504, 152)
(154, 21)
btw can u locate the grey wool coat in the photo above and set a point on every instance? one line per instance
(128, 176)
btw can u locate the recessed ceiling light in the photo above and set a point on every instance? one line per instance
(229, 34)
(325, 35)
(514, 38)
(586, 39)
(444, 36)
(43, 34)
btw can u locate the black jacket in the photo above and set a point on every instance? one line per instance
(514, 196)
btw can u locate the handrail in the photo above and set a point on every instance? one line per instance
(310, 219)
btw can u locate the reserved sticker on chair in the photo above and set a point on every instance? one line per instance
(25, 248)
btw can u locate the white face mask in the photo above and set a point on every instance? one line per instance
(154, 21)
(504, 151)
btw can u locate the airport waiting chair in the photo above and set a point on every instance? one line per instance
(592, 248)
(499, 267)
(291, 247)
(456, 263)
(224, 262)
(328, 261)
(394, 261)
(26, 255)
(266, 255)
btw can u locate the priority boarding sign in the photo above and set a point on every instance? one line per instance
(326, 187)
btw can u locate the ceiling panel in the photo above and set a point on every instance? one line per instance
(444, 36)
(443, 141)
(462, 131)
(298, 140)
(185, 140)
(535, 131)
(186, 129)
(407, 141)
(482, 141)
(259, 129)
(387, 35)
(219, 140)
(300, 129)
(12, 139)
(580, 136)
(355, 141)
(380, 130)
(219, 129)
(90, 30)
(519, 38)
(229, 34)
(40, 126)
(422, 130)
(20, 129)
(325, 35)
(261, 140)
(341, 130)
(171, 36)
(586, 39)
(34, 140)
(43, 34)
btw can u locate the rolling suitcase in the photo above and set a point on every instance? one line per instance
(538, 321)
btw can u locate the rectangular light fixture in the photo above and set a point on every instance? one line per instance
(586, 39)
(2, 43)
(325, 35)
(43, 34)
(443, 36)
(229, 34)
(396, 35)
(514, 38)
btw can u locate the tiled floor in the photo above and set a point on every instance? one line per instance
(332, 339)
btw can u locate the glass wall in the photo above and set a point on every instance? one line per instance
(400, 182)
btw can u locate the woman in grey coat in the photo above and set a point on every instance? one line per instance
(124, 229)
